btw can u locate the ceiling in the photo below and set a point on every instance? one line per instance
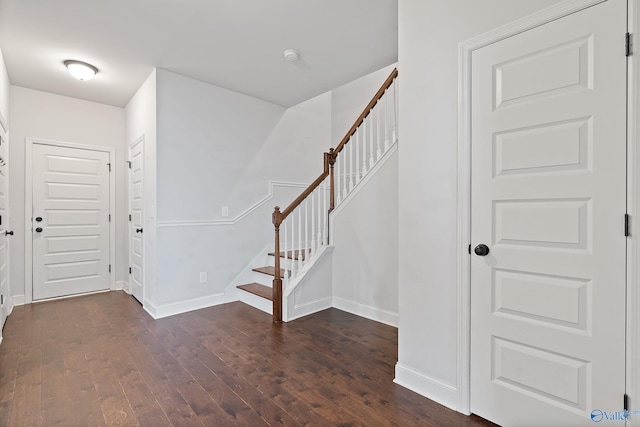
(235, 44)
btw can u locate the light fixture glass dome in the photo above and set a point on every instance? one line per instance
(80, 70)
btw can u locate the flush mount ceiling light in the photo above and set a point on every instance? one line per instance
(80, 70)
(291, 55)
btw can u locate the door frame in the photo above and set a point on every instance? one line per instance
(463, 258)
(28, 209)
(139, 140)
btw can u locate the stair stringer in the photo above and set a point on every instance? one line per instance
(311, 290)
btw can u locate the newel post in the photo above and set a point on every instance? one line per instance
(332, 192)
(276, 218)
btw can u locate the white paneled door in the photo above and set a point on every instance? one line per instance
(548, 205)
(70, 221)
(4, 231)
(136, 154)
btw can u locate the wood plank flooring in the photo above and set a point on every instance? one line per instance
(102, 360)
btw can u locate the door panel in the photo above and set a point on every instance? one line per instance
(71, 210)
(4, 223)
(136, 203)
(548, 198)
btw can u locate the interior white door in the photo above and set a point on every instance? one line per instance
(4, 231)
(136, 219)
(70, 221)
(548, 201)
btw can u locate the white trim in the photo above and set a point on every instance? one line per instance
(301, 310)
(465, 50)
(436, 390)
(368, 312)
(28, 208)
(218, 222)
(165, 310)
(120, 285)
(17, 300)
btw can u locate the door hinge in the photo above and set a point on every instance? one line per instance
(1, 299)
(627, 233)
(109, 217)
(109, 268)
(129, 163)
(625, 402)
(129, 270)
(109, 164)
(129, 217)
(469, 248)
(628, 44)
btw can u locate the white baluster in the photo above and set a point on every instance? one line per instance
(358, 138)
(292, 262)
(395, 112)
(344, 173)
(284, 260)
(378, 112)
(325, 215)
(336, 168)
(386, 117)
(306, 230)
(364, 146)
(313, 221)
(319, 231)
(299, 248)
(371, 135)
(351, 144)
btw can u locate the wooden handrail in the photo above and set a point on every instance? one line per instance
(387, 83)
(330, 157)
(329, 160)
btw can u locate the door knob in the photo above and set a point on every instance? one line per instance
(138, 230)
(481, 250)
(38, 218)
(8, 233)
(39, 230)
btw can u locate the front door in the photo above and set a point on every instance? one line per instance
(70, 221)
(548, 203)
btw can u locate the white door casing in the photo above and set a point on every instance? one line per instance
(548, 198)
(70, 187)
(136, 223)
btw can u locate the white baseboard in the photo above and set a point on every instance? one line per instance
(119, 285)
(158, 312)
(301, 310)
(371, 313)
(18, 300)
(438, 391)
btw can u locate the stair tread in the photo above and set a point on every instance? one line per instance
(258, 289)
(271, 271)
(295, 254)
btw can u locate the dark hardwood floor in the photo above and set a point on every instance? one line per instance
(101, 360)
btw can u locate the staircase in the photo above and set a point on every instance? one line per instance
(302, 229)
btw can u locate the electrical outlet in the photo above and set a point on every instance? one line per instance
(225, 211)
(203, 277)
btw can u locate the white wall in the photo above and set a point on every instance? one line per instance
(220, 148)
(429, 33)
(42, 115)
(140, 122)
(365, 258)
